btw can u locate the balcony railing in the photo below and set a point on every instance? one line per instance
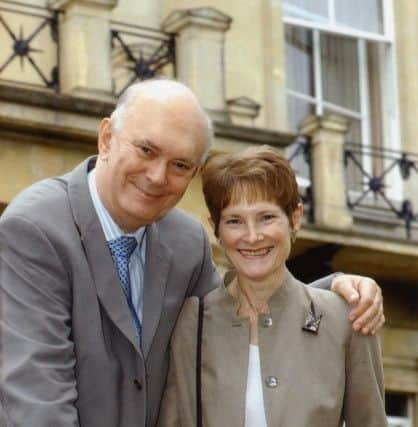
(140, 53)
(299, 157)
(377, 171)
(29, 40)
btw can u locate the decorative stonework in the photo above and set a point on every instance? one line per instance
(243, 110)
(200, 40)
(85, 37)
(203, 16)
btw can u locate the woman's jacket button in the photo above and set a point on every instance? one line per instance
(267, 320)
(272, 382)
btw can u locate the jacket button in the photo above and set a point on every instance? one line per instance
(267, 320)
(138, 384)
(272, 382)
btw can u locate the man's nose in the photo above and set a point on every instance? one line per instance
(157, 173)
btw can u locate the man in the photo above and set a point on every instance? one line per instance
(95, 265)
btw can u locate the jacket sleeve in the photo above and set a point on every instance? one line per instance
(38, 386)
(205, 278)
(179, 399)
(169, 415)
(364, 403)
(324, 282)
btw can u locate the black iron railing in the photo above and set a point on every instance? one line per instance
(31, 35)
(385, 166)
(140, 53)
(299, 157)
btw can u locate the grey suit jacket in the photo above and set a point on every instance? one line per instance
(69, 355)
(322, 379)
(68, 352)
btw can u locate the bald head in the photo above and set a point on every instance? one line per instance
(168, 94)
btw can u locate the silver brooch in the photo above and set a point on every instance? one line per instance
(312, 320)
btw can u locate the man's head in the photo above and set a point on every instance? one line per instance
(149, 150)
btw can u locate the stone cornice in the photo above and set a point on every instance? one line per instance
(55, 101)
(63, 4)
(45, 133)
(253, 135)
(99, 109)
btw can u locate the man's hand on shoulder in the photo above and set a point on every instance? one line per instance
(365, 296)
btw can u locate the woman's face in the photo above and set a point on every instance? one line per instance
(257, 237)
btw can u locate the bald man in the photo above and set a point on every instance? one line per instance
(95, 266)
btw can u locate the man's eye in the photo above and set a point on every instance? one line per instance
(146, 150)
(183, 166)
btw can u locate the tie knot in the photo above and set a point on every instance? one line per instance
(123, 246)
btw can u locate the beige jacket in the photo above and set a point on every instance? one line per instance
(322, 378)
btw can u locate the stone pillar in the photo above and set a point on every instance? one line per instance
(406, 29)
(85, 61)
(274, 66)
(200, 54)
(328, 176)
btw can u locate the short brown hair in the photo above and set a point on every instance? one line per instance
(256, 173)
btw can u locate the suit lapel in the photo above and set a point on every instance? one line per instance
(157, 264)
(108, 288)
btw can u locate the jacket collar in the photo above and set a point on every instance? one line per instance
(104, 275)
(276, 302)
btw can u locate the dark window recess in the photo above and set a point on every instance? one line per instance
(396, 405)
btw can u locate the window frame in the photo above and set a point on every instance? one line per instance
(388, 86)
(334, 27)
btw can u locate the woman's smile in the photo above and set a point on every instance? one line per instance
(255, 253)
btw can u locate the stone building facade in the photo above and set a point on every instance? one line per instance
(332, 83)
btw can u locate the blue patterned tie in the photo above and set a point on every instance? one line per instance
(121, 250)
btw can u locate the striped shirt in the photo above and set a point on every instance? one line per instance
(113, 231)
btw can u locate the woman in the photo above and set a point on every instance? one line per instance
(273, 351)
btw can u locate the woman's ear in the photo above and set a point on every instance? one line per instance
(104, 138)
(212, 224)
(297, 217)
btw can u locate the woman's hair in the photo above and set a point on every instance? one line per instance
(256, 173)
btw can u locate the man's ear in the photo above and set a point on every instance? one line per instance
(297, 217)
(105, 138)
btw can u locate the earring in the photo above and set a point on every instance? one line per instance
(293, 236)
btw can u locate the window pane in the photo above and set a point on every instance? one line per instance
(297, 111)
(340, 71)
(365, 15)
(299, 62)
(300, 164)
(315, 11)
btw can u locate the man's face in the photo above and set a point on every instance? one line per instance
(146, 166)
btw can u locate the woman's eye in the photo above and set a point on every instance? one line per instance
(268, 217)
(232, 221)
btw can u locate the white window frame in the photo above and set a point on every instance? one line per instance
(403, 421)
(332, 26)
(399, 422)
(388, 89)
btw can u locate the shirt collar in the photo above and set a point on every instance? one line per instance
(110, 228)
